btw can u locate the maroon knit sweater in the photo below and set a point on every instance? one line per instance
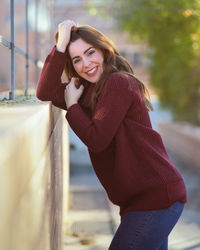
(128, 156)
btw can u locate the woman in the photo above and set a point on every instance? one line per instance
(107, 108)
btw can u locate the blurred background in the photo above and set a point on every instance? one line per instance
(161, 39)
(43, 18)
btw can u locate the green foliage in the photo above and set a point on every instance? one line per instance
(172, 30)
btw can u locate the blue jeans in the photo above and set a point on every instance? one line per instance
(146, 230)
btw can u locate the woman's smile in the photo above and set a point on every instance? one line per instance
(92, 72)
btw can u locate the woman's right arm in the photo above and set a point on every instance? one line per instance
(50, 86)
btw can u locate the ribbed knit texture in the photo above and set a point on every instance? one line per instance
(128, 156)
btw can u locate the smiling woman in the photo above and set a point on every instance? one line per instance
(87, 60)
(112, 61)
(107, 108)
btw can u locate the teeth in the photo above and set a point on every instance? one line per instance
(91, 71)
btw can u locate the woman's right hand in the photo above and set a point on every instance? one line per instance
(72, 92)
(64, 32)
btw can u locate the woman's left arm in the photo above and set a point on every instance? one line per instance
(111, 109)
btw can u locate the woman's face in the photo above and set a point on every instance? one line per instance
(87, 60)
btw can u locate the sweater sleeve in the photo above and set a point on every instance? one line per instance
(111, 109)
(50, 86)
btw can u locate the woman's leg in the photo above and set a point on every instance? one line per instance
(144, 230)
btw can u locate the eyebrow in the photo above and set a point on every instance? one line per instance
(83, 53)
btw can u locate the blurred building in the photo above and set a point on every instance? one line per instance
(39, 43)
(99, 14)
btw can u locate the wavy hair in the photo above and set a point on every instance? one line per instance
(113, 62)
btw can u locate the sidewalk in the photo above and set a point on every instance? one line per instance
(90, 222)
(92, 219)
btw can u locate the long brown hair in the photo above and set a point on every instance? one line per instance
(113, 62)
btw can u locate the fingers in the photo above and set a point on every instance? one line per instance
(76, 82)
(64, 31)
(67, 24)
(72, 93)
(81, 88)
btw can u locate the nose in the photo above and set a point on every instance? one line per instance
(86, 62)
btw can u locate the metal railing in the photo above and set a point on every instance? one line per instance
(13, 48)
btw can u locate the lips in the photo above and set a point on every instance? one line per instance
(92, 72)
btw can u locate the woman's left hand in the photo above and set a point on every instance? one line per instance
(72, 93)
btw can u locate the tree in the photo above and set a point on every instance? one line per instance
(172, 30)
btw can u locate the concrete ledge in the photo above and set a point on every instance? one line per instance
(34, 174)
(182, 139)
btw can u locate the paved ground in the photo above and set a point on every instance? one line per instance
(89, 224)
(186, 234)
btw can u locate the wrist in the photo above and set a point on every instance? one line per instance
(71, 104)
(61, 48)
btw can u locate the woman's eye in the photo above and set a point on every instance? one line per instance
(76, 61)
(91, 52)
